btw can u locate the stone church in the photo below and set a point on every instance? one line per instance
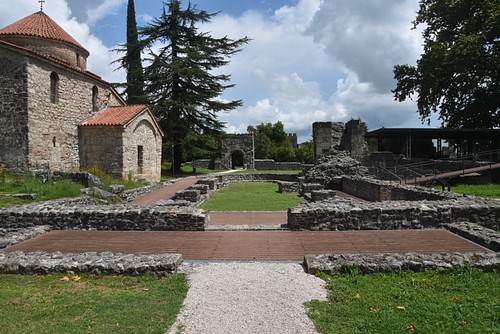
(54, 114)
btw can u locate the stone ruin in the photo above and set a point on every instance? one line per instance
(380, 205)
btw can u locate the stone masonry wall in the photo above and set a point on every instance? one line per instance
(378, 191)
(141, 132)
(395, 263)
(238, 142)
(345, 214)
(53, 127)
(71, 215)
(327, 136)
(102, 147)
(269, 164)
(13, 110)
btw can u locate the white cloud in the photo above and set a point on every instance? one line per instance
(327, 60)
(316, 60)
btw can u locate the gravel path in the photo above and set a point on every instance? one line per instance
(248, 298)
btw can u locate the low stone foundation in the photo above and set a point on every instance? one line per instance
(346, 214)
(70, 215)
(285, 187)
(412, 262)
(12, 236)
(95, 263)
(480, 235)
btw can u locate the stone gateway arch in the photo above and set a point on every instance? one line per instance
(235, 147)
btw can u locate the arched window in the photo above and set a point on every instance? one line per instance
(54, 87)
(95, 92)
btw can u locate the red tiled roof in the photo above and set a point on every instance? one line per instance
(39, 25)
(115, 116)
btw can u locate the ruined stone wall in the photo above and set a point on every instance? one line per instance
(377, 191)
(269, 164)
(392, 215)
(53, 127)
(353, 140)
(71, 215)
(238, 142)
(326, 136)
(13, 110)
(142, 133)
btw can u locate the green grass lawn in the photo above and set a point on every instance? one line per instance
(465, 301)
(250, 196)
(482, 190)
(31, 185)
(103, 304)
(166, 174)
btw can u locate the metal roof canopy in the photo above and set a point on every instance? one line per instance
(437, 133)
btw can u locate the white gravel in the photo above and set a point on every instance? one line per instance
(240, 297)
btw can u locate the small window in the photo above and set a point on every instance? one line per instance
(78, 63)
(140, 159)
(54, 87)
(95, 94)
(54, 142)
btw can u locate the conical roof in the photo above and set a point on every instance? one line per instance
(39, 25)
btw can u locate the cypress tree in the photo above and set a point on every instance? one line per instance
(132, 60)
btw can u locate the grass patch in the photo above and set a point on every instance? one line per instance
(166, 174)
(462, 301)
(103, 304)
(108, 180)
(250, 196)
(481, 190)
(32, 185)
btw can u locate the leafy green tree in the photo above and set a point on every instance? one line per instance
(262, 143)
(458, 75)
(271, 142)
(305, 153)
(180, 73)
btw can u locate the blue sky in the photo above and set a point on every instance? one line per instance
(308, 61)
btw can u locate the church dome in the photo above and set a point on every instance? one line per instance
(39, 33)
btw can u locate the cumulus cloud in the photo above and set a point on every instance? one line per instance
(308, 61)
(93, 11)
(327, 60)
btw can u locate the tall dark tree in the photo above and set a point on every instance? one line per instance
(132, 60)
(181, 83)
(458, 75)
